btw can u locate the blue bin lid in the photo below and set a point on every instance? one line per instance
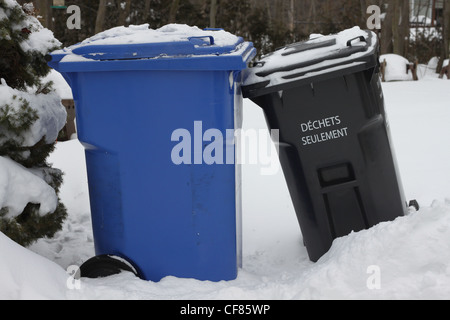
(173, 47)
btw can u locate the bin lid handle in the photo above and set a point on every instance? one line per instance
(360, 38)
(200, 41)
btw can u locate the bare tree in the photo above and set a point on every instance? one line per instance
(124, 13)
(363, 10)
(447, 27)
(400, 27)
(445, 51)
(386, 33)
(269, 11)
(291, 15)
(395, 28)
(146, 10)
(213, 14)
(279, 11)
(313, 13)
(101, 13)
(173, 11)
(45, 12)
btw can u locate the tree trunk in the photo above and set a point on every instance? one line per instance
(291, 15)
(311, 19)
(396, 22)
(395, 25)
(405, 31)
(445, 51)
(447, 28)
(364, 7)
(46, 12)
(269, 11)
(146, 10)
(213, 14)
(400, 26)
(125, 13)
(386, 30)
(279, 12)
(101, 12)
(173, 11)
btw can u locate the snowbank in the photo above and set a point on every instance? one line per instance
(26, 275)
(410, 255)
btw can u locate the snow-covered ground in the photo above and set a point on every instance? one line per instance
(405, 259)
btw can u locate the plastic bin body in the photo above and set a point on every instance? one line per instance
(167, 219)
(335, 150)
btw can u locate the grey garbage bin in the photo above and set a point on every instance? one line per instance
(325, 97)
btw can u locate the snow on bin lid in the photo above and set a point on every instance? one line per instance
(320, 56)
(170, 41)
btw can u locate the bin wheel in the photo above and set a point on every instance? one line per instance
(106, 265)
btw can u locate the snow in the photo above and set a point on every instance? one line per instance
(52, 115)
(2, 14)
(20, 186)
(428, 33)
(26, 275)
(419, 114)
(76, 58)
(411, 253)
(168, 33)
(396, 68)
(41, 40)
(28, 7)
(288, 57)
(142, 34)
(60, 85)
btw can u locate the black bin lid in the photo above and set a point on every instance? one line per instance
(319, 58)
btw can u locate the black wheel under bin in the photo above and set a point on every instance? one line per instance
(106, 265)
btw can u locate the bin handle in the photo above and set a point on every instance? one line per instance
(361, 38)
(211, 40)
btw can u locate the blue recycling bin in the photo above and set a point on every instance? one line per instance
(145, 100)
